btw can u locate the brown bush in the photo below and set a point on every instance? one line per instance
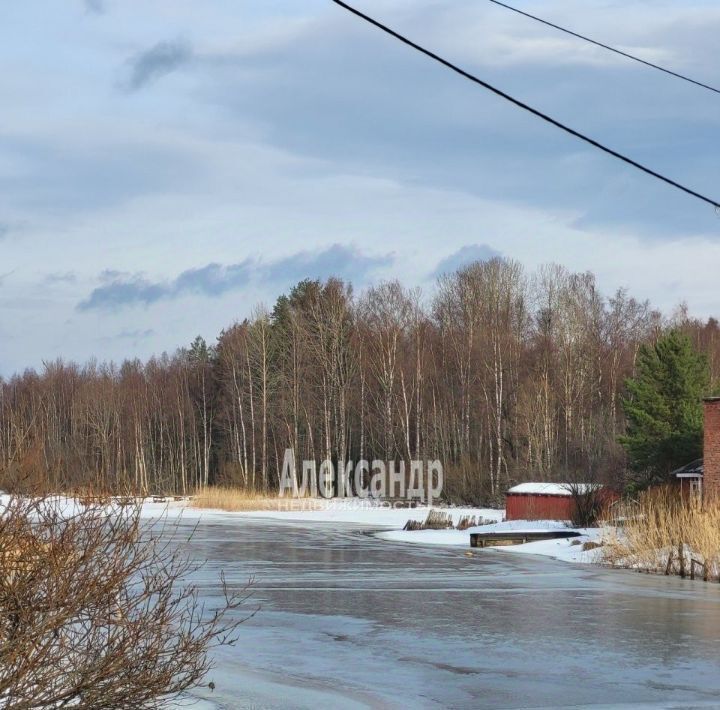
(96, 609)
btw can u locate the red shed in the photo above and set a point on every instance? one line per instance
(546, 501)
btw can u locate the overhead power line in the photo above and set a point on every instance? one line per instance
(606, 46)
(526, 107)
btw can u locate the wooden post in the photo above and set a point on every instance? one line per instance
(681, 552)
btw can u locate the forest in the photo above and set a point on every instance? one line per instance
(502, 375)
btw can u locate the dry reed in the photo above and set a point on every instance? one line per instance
(243, 500)
(663, 533)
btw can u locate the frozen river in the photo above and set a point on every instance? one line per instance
(348, 620)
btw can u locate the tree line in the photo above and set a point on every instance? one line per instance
(502, 375)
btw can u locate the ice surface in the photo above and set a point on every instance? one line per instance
(348, 620)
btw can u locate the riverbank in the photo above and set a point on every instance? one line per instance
(385, 520)
(566, 550)
(376, 515)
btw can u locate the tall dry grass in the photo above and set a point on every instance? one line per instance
(662, 533)
(242, 500)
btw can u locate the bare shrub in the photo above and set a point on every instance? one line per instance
(463, 486)
(663, 533)
(589, 500)
(97, 609)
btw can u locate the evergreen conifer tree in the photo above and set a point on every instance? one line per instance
(663, 407)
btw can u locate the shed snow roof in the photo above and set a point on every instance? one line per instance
(553, 489)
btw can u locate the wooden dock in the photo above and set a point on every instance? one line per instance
(491, 539)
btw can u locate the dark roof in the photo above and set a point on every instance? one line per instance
(695, 467)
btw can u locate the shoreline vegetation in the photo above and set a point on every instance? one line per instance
(660, 533)
(238, 500)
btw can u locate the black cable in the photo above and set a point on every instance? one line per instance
(525, 106)
(608, 47)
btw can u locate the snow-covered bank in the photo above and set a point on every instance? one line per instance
(367, 512)
(371, 513)
(67, 507)
(358, 511)
(567, 549)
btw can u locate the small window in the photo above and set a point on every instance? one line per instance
(696, 488)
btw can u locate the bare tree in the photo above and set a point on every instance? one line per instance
(500, 381)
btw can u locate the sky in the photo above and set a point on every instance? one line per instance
(167, 165)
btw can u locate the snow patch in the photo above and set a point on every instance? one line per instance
(566, 549)
(370, 513)
(554, 489)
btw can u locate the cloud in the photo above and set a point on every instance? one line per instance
(122, 292)
(162, 59)
(304, 128)
(343, 262)
(464, 138)
(4, 230)
(58, 277)
(463, 256)
(108, 275)
(135, 334)
(212, 280)
(121, 289)
(95, 6)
